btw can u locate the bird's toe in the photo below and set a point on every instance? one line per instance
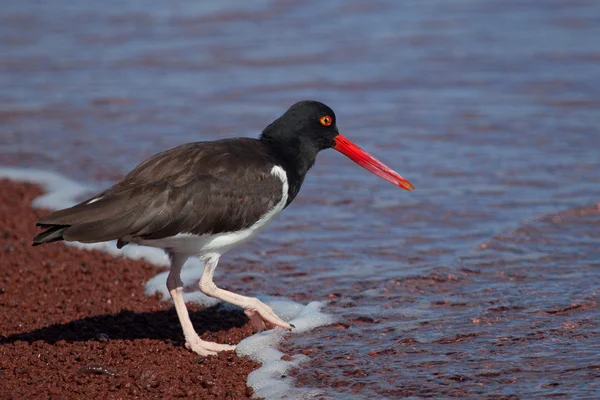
(205, 348)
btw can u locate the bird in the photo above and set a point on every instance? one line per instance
(202, 199)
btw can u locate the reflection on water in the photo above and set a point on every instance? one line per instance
(482, 281)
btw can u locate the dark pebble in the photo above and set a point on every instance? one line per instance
(102, 337)
(96, 369)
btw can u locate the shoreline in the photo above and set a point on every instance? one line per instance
(77, 323)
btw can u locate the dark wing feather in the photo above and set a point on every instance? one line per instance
(198, 188)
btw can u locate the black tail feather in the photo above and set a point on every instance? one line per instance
(53, 233)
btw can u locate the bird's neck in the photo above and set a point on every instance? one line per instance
(294, 155)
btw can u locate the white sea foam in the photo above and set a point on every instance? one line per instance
(270, 380)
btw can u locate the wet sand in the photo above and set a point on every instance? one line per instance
(77, 324)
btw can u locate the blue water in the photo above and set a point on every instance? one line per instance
(490, 108)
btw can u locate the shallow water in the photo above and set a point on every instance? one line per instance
(482, 282)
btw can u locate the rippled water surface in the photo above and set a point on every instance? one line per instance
(482, 283)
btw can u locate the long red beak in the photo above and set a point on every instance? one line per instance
(369, 162)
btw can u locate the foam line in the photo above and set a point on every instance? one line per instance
(270, 380)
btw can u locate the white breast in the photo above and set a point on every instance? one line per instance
(198, 245)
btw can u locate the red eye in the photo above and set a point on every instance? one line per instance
(326, 120)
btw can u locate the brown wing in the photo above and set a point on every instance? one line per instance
(198, 188)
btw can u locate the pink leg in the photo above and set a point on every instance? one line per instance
(261, 315)
(192, 340)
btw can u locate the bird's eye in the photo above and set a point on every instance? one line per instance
(326, 120)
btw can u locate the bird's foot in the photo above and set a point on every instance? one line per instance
(204, 348)
(263, 317)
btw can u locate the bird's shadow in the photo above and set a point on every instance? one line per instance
(128, 325)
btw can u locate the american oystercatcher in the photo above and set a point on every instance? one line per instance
(202, 199)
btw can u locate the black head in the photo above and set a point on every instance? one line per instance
(307, 126)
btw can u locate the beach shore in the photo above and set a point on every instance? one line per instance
(77, 324)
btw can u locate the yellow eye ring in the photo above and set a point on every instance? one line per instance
(326, 120)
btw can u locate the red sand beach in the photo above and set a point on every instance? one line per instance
(76, 324)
